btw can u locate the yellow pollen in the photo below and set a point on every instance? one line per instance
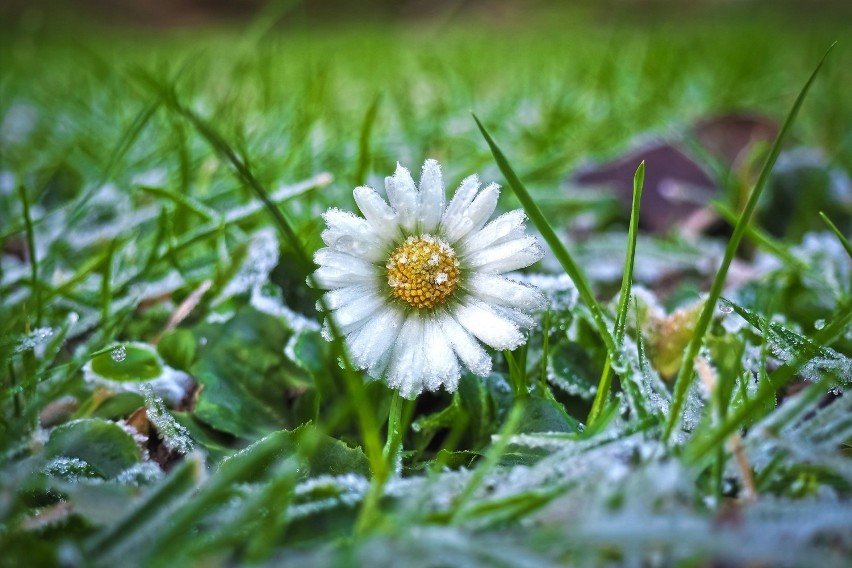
(423, 271)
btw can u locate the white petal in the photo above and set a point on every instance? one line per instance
(483, 206)
(353, 235)
(356, 311)
(342, 296)
(501, 290)
(378, 213)
(331, 258)
(402, 195)
(431, 197)
(517, 317)
(507, 226)
(490, 328)
(475, 216)
(407, 365)
(458, 205)
(442, 367)
(375, 339)
(507, 256)
(328, 278)
(466, 347)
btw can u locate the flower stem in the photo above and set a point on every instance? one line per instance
(368, 517)
(394, 441)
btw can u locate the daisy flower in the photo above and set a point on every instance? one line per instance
(416, 285)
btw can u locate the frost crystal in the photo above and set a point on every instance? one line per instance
(36, 338)
(175, 435)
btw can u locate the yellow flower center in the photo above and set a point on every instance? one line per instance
(423, 271)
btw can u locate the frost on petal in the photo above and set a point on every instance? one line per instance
(330, 278)
(331, 258)
(353, 235)
(507, 256)
(378, 213)
(474, 216)
(357, 310)
(489, 327)
(518, 317)
(442, 366)
(408, 362)
(342, 296)
(370, 345)
(402, 194)
(496, 289)
(465, 346)
(483, 206)
(431, 196)
(454, 214)
(506, 227)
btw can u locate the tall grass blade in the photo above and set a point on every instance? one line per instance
(602, 394)
(687, 368)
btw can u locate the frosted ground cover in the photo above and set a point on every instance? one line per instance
(168, 396)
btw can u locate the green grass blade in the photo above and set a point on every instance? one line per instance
(602, 394)
(180, 480)
(756, 234)
(843, 240)
(106, 281)
(492, 456)
(360, 176)
(123, 146)
(687, 368)
(562, 255)
(239, 467)
(31, 252)
(186, 201)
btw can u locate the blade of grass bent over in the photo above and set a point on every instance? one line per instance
(556, 246)
(602, 395)
(685, 374)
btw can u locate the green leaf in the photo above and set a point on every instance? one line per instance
(245, 376)
(319, 454)
(544, 415)
(572, 369)
(120, 405)
(140, 363)
(178, 348)
(104, 445)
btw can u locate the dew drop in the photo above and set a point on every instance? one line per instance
(726, 308)
(819, 324)
(119, 354)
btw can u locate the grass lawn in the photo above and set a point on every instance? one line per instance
(170, 396)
